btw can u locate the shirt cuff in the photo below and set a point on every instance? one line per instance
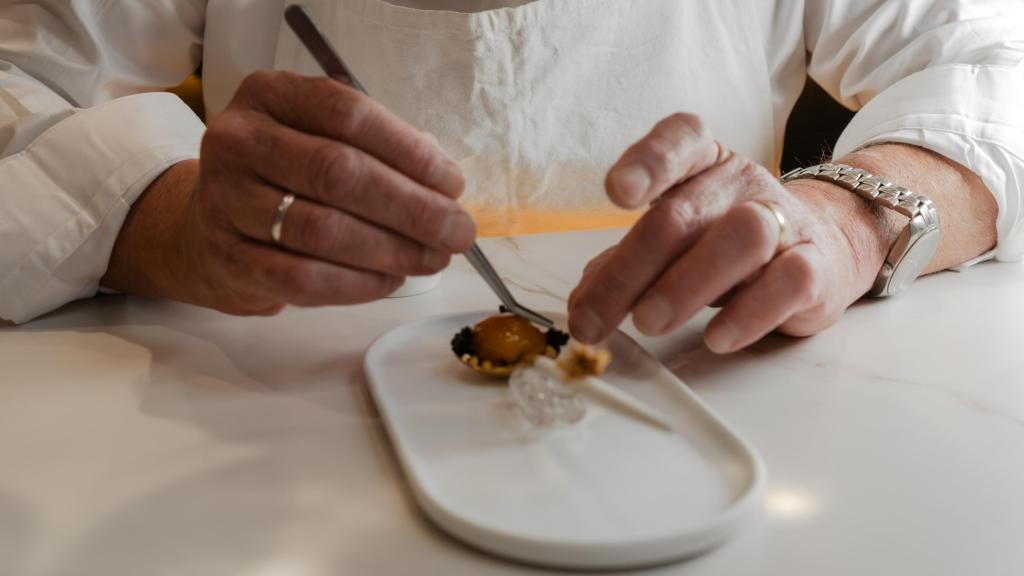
(68, 192)
(969, 114)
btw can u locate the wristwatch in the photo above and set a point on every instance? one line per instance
(919, 239)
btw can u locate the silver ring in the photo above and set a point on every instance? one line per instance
(782, 245)
(282, 209)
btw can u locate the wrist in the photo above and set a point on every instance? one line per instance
(858, 233)
(150, 256)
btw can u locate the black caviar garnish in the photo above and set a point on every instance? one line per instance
(462, 343)
(556, 339)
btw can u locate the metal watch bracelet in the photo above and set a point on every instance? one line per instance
(870, 187)
(917, 242)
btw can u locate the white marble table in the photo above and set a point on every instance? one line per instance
(143, 437)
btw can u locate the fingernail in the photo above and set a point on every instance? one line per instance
(653, 315)
(721, 336)
(434, 259)
(631, 181)
(585, 325)
(457, 231)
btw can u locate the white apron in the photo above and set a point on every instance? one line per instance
(537, 101)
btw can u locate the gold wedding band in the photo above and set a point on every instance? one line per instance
(282, 209)
(781, 220)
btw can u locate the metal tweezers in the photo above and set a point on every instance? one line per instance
(335, 68)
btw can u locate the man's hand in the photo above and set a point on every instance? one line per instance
(375, 202)
(711, 237)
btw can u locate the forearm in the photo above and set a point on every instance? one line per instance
(967, 210)
(941, 78)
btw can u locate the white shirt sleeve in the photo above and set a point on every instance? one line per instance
(80, 138)
(946, 75)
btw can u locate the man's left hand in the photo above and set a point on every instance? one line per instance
(713, 235)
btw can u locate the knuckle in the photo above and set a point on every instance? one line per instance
(424, 161)
(802, 274)
(316, 230)
(672, 215)
(699, 128)
(598, 262)
(685, 126)
(331, 168)
(664, 153)
(573, 298)
(257, 84)
(226, 133)
(322, 84)
(213, 139)
(690, 122)
(612, 283)
(734, 166)
(424, 219)
(297, 280)
(349, 112)
(752, 173)
(693, 146)
(608, 289)
(750, 230)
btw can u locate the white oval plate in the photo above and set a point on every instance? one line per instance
(608, 493)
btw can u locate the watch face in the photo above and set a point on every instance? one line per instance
(914, 261)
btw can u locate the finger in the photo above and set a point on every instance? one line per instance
(790, 284)
(334, 236)
(676, 149)
(598, 262)
(662, 235)
(319, 105)
(732, 249)
(344, 177)
(305, 281)
(592, 267)
(723, 300)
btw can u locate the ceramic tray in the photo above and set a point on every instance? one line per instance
(608, 492)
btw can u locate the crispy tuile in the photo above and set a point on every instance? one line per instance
(582, 360)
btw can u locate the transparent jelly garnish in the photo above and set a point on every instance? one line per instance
(543, 400)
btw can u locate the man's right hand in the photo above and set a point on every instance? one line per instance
(375, 202)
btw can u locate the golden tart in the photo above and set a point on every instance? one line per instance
(497, 344)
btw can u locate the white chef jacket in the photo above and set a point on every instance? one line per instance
(82, 134)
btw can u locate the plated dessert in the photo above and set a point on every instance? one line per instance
(547, 392)
(497, 344)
